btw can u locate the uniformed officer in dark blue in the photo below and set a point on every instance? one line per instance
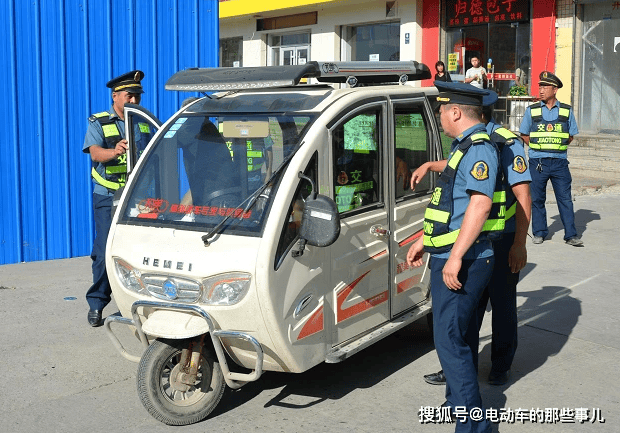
(510, 251)
(548, 128)
(107, 147)
(461, 253)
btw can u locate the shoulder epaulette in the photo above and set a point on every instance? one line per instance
(508, 136)
(98, 115)
(479, 137)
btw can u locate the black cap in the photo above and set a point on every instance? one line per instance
(129, 82)
(548, 79)
(459, 93)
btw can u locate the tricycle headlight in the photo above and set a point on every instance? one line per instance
(226, 289)
(129, 276)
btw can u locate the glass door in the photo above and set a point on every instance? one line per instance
(294, 55)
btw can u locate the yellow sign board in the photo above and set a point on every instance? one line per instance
(453, 59)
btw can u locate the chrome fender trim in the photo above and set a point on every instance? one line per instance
(233, 380)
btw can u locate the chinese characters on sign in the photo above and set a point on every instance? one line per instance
(502, 76)
(461, 13)
(453, 62)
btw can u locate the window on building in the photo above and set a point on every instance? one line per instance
(372, 42)
(231, 52)
(290, 49)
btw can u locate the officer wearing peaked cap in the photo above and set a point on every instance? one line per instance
(548, 128)
(510, 252)
(107, 147)
(458, 228)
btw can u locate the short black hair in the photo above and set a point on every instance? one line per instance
(440, 63)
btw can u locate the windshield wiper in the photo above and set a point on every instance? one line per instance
(251, 200)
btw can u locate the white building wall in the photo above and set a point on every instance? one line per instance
(325, 35)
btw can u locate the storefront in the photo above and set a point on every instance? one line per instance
(294, 32)
(513, 39)
(496, 32)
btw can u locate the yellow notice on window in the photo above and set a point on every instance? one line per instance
(453, 59)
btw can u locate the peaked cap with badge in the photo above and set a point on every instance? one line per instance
(128, 82)
(548, 79)
(462, 94)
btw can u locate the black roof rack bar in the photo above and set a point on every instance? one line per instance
(373, 72)
(353, 73)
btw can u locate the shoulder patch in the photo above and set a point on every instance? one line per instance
(480, 170)
(518, 164)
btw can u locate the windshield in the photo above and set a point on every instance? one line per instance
(203, 168)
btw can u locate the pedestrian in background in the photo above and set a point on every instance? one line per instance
(548, 128)
(442, 74)
(461, 258)
(107, 147)
(476, 75)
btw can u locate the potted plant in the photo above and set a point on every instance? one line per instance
(519, 100)
(518, 91)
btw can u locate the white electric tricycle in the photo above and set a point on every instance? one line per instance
(266, 226)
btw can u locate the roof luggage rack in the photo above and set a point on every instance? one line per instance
(351, 73)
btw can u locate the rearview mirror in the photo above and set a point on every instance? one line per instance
(320, 221)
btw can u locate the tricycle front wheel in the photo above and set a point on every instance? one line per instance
(165, 397)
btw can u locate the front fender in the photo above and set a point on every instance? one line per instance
(174, 325)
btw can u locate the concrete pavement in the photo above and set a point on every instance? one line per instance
(60, 375)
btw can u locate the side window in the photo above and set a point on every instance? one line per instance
(357, 149)
(446, 142)
(412, 145)
(292, 223)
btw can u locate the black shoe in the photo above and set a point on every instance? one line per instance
(496, 378)
(435, 378)
(94, 318)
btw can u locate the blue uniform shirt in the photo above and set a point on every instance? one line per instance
(514, 167)
(94, 136)
(548, 115)
(465, 183)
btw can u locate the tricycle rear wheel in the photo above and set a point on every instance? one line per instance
(165, 397)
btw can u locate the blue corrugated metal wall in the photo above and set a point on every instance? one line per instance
(58, 55)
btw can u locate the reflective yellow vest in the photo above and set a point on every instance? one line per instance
(504, 137)
(550, 136)
(115, 174)
(438, 238)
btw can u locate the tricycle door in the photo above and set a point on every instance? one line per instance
(414, 140)
(359, 266)
(140, 127)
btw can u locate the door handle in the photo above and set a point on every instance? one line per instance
(301, 306)
(379, 231)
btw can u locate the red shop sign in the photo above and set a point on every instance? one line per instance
(502, 76)
(460, 13)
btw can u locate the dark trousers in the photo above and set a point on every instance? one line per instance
(99, 294)
(502, 291)
(556, 170)
(455, 328)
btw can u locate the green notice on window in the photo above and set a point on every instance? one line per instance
(360, 133)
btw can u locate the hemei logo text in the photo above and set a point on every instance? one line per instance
(167, 264)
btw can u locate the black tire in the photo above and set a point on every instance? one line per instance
(171, 405)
